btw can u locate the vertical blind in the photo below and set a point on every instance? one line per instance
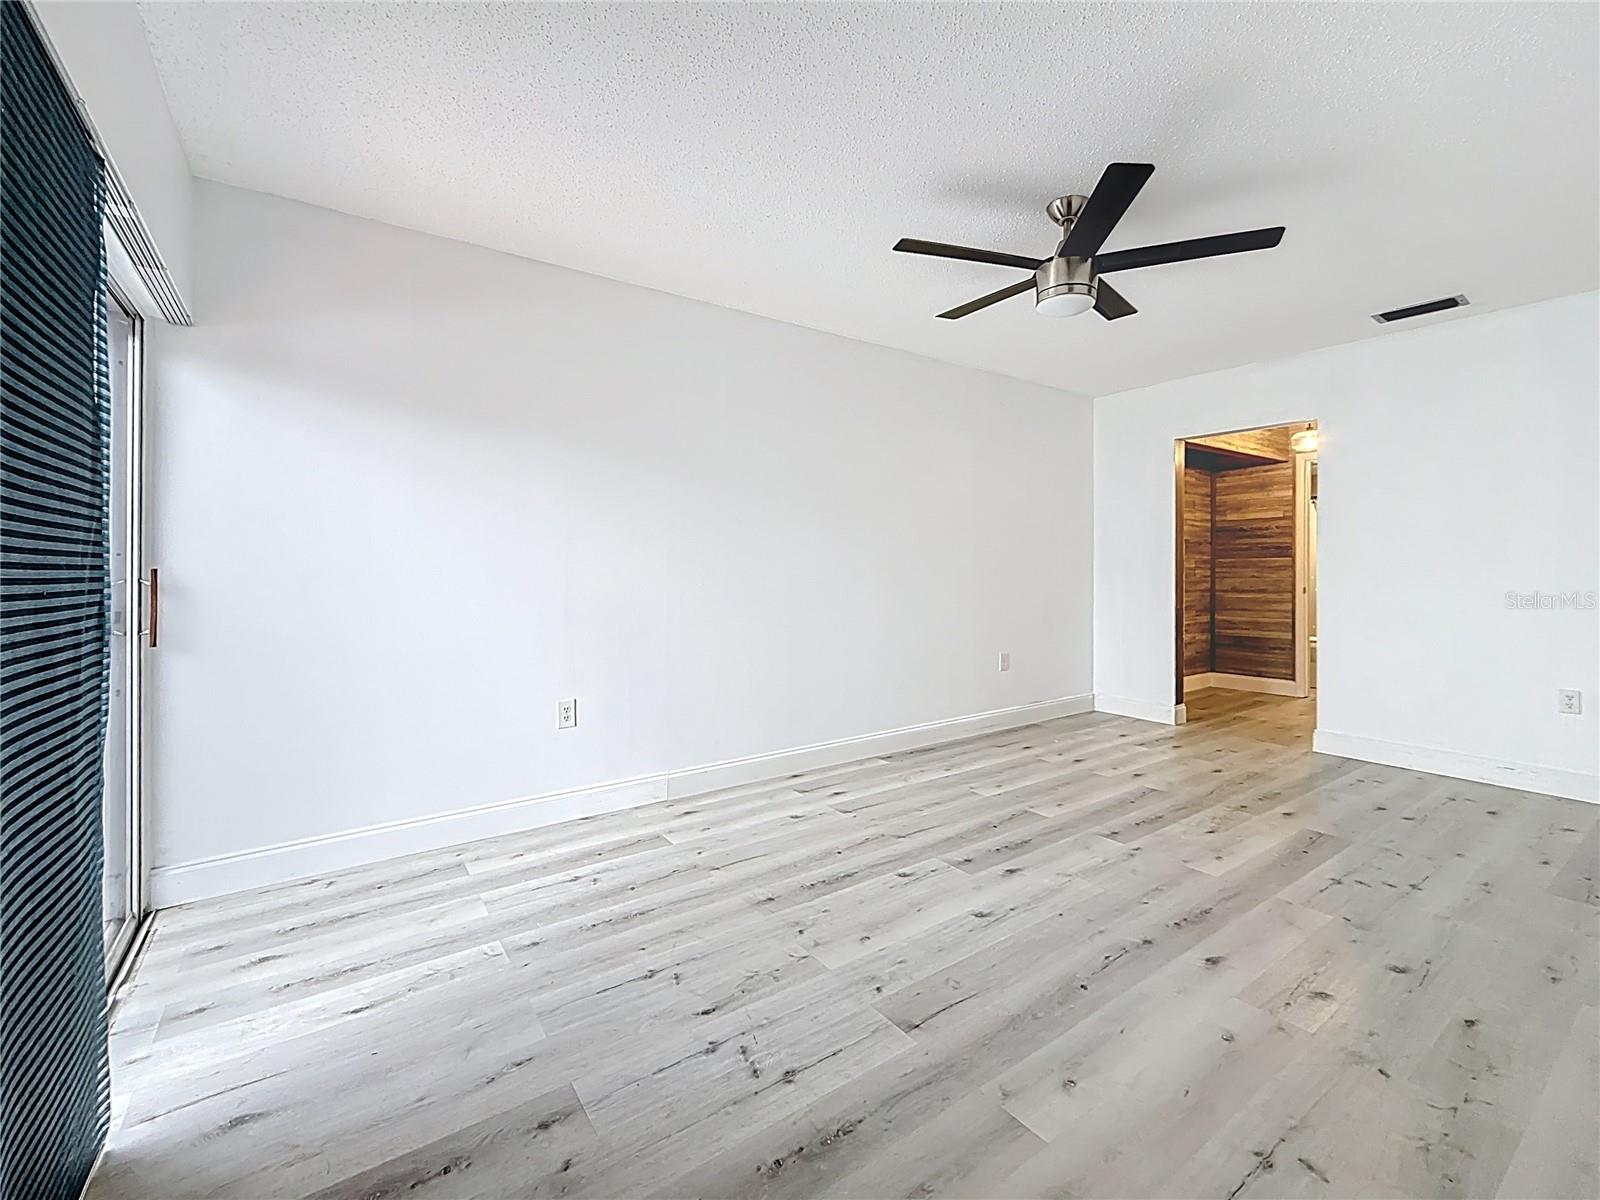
(53, 628)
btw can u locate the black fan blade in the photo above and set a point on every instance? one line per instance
(972, 306)
(1109, 200)
(966, 254)
(1171, 252)
(1109, 302)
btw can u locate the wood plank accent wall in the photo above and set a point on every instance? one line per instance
(1252, 547)
(1267, 443)
(1197, 500)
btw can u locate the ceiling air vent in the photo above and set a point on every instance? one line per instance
(1420, 310)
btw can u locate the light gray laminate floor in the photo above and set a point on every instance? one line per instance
(1092, 957)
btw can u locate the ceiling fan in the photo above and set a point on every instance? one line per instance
(1069, 281)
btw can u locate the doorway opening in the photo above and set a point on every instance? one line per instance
(1245, 610)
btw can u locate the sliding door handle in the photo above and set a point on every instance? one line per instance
(153, 629)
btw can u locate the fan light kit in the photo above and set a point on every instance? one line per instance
(1069, 281)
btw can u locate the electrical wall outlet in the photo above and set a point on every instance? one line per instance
(1005, 661)
(1569, 702)
(566, 714)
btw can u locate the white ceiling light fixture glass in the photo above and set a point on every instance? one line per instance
(1303, 442)
(1064, 304)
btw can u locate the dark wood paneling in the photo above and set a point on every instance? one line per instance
(1196, 571)
(1252, 545)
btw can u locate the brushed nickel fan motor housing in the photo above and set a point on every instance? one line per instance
(1065, 276)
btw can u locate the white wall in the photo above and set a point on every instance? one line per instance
(102, 45)
(1458, 463)
(406, 493)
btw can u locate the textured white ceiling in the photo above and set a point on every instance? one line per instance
(765, 157)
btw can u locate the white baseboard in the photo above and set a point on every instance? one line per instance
(1241, 683)
(181, 883)
(202, 879)
(691, 781)
(1143, 710)
(1552, 781)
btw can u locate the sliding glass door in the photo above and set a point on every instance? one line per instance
(121, 817)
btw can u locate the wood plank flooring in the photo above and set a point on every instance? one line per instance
(1093, 957)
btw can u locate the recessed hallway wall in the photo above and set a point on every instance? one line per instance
(1252, 591)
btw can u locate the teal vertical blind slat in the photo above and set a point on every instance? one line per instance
(54, 528)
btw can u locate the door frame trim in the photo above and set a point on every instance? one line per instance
(1178, 463)
(1302, 572)
(138, 889)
